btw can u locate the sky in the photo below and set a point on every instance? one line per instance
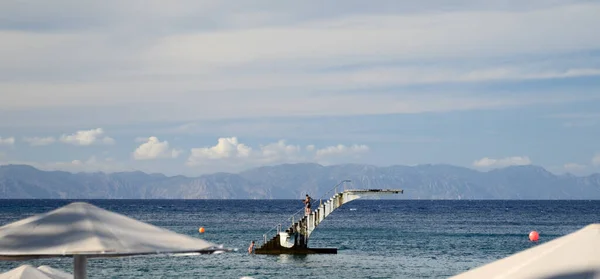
(203, 86)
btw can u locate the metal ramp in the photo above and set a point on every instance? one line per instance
(294, 240)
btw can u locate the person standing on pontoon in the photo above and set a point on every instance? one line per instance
(307, 203)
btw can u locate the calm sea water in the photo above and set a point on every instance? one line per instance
(375, 238)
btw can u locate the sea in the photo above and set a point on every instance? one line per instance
(375, 238)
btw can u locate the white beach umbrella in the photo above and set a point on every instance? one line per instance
(576, 255)
(81, 230)
(29, 272)
(55, 272)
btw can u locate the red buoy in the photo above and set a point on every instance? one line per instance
(534, 236)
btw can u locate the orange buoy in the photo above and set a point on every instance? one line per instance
(201, 230)
(534, 236)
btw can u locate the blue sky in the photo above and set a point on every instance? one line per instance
(192, 87)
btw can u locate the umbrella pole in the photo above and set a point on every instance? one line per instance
(79, 265)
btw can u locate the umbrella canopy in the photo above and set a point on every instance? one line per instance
(30, 272)
(55, 272)
(84, 229)
(575, 255)
(81, 230)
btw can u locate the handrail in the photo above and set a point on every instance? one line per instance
(334, 188)
(278, 225)
(291, 217)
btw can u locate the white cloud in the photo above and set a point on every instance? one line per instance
(297, 104)
(39, 141)
(229, 154)
(341, 149)
(577, 115)
(504, 162)
(176, 152)
(199, 66)
(153, 148)
(7, 141)
(359, 37)
(574, 167)
(280, 152)
(87, 137)
(226, 148)
(92, 164)
(596, 160)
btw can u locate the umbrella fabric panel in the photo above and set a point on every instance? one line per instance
(30, 272)
(55, 272)
(84, 229)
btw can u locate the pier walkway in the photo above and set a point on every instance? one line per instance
(294, 240)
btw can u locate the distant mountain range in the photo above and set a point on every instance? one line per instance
(292, 181)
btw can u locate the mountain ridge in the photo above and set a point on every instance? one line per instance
(292, 181)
